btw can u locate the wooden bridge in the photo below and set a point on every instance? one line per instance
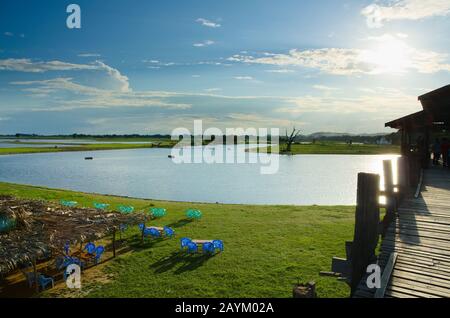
(415, 250)
(413, 254)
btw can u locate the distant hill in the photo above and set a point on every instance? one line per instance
(334, 134)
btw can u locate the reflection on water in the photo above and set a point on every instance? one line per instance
(149, 173)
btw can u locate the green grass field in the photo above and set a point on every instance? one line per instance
(267, 249)
(329, 147)
(82, 147)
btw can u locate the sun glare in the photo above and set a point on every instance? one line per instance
(388, 56)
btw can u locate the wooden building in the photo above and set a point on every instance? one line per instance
(434, 118)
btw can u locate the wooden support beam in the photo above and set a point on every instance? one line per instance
(385, 278)
(419, 185)
(367, 219)
(391, 201)
(388, 177)
(402, 175)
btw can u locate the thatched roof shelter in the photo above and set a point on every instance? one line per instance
(42, 228)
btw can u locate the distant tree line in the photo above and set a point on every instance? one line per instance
(362, 138)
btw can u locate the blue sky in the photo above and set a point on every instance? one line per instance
(152, 66)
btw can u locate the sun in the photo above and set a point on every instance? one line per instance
(389, 55)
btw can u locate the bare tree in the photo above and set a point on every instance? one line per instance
(290, 139)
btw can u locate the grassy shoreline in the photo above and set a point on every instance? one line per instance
(335, 148)
(267, 249)
(80, 147)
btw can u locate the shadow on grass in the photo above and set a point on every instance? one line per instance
(135, 242)
(188, 262)
(180, 223)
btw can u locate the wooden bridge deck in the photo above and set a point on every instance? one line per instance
(420, 237)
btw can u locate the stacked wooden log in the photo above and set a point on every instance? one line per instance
(42, 228)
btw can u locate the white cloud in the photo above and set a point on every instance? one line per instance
(91, 97)
(89, 55)
(151, 61)
(391, 102)
(115, 74)
(243, 78)
(387, 54)
(27, 65)
(377, 14)
(324, 88)
(333, 61)
(204, 43)
(282, 71)
(57, 84)
(214, 89)
(156, 64)
(208, 23)
(331, 110)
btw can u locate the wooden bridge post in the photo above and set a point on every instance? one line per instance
(402, 175)
(367, 219)
(414, 170)
(391, 201)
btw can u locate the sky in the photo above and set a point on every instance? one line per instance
(149, 67)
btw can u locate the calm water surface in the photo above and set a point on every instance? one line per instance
(149, 173)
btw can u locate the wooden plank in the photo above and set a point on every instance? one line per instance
(435, 282)
(402, 240)
(419, 247)
(422, 233)
(386, 276)
(395, 294)
(418, 260)
(421, 287)
(412, 253)
(408, 293)
(423, 271)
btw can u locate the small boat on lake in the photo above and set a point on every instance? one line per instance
(88, 158)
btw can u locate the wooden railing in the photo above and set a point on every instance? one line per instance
(368, 226)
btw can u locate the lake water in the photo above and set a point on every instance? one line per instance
(149, 173)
